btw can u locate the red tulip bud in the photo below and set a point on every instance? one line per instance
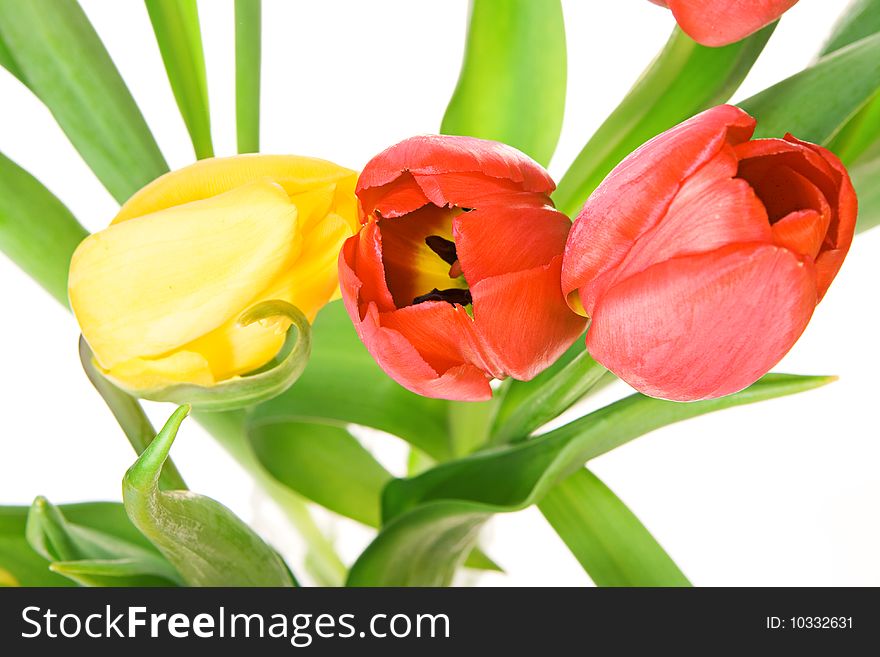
(720, 22)
(701, 257)
(453, 278)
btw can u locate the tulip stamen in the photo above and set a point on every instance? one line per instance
(442, 247)
(455, 296)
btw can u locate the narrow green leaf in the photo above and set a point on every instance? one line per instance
(342, 385)
(129, 415)
(325, 464)
(62, 60)
(176, 25)
(203, 539)
(263, 384)
(685, 79)
(817, 102)
(91, 557)
(548, 401)
(248, 47)
(861, 19)
(37, 231)
(432, 521)
(608, 540)
(512, 83)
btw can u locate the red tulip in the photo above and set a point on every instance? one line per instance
(701, 257)
(720, 22)
(453, 278)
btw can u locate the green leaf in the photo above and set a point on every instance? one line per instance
(8, 62)
(248, 46)
(548, 401)
(60, 57)
(28, 568)
(817, 102)
(343, 385)
(263, 384)
(512, 83)
(866, 179)
(205, 541)
(861, 19)
(91, 557)
(433, 520)
(684, 79)
(608, 540)
(37, 231)
(19, 564)
(176, 25)
(323, 463)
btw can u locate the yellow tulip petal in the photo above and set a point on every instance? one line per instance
(313, 279)
(146, 373)
(233, 349)
(210, 177)
(143, 288)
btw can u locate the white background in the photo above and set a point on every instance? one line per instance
(785, 492)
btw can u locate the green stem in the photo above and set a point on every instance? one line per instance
(131, 417)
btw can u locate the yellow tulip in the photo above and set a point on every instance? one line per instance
(159, 293)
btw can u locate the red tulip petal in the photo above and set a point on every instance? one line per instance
(761, 156)
(843, 222)
(721, 22)
(637, 194)
(500, 238)
(440, 154)
(361, 274)
(711, 210)
(706, 325)
(465, 190)
(442, 333)
(523, 319)
(396, 355)
(395, 199)
(802, 231)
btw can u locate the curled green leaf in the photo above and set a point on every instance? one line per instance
(207, 543)
(261, 385)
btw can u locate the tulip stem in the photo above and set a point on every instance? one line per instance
(548, 400)
(130, 415)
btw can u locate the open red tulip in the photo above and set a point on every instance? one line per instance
(701, 257)
(453, 279)
(720, 22)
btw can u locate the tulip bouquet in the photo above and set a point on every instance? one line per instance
(451, 295)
